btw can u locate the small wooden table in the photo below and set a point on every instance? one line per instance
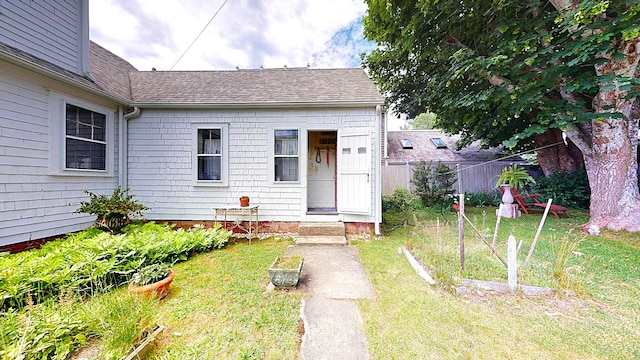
(251, 211)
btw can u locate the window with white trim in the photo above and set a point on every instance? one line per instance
(85, 139)
(211, 154)
(286, 155)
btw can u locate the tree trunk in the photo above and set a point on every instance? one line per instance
(613, 176)
(560, 157)
(610, 149)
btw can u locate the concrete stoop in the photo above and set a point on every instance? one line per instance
(321, 233)
(321, 240)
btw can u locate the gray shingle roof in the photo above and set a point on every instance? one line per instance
(424, 149)
(110, 72)
(11, 52)
(255, 87)
(114, 76)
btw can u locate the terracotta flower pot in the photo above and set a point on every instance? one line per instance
(244, 201)
(159, 289)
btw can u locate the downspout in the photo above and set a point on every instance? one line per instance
(386, 130)
(84, 42)
(378, 192)
(124, 135)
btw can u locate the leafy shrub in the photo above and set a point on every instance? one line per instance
(399, 201)
(113, 212)
(46, 331)
(434, 185)
(55, 329)
(91, 262)
(567, 189)
(480, 199)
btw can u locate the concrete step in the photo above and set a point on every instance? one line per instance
(321, 240)
(321, 229)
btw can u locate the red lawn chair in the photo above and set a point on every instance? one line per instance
(531, 204)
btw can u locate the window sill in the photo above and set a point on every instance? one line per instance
(209, 184)
(83, 173)
(286, 183)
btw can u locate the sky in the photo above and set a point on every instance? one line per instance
(245, 33)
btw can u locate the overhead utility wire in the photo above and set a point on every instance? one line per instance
(197, 37)
(504, 157)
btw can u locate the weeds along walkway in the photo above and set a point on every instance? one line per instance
(334, 278)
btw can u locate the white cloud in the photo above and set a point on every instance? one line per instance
(245, 33)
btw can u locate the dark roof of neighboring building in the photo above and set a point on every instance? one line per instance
(424, 148)
(256, 87)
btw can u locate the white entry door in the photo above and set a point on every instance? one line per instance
(354, 171)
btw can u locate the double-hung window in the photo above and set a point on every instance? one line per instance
(211, 155)
(286, 155)
(85, 139)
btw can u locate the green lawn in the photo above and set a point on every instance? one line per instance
(219, 307)
(410, 319)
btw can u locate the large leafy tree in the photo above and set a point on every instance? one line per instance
(523, 73)
(424, 121)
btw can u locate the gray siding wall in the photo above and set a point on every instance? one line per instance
(48, 29)
(34, 202)
(160, 171)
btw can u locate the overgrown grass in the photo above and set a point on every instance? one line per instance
(120, 321)
(411, 320)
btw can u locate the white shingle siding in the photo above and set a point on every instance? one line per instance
(33, 203)
(48, 29)
(160, 161)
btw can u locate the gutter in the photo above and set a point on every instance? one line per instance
(123, 164)
(256, 105)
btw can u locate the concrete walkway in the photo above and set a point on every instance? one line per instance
(334, 278)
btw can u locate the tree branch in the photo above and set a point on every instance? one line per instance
(580, 135)
(563, 6)
(499, 81)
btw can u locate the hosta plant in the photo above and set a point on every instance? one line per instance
(150, 274)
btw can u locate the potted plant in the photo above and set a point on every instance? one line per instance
(285, 271)
(152, 280)
(112, 212)
(513, 177)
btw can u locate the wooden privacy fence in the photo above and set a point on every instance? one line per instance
(472, 177)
